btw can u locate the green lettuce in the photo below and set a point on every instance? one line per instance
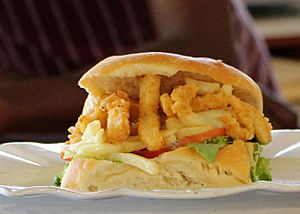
(260, 166)
(58, 178)
(207, 151)
(263, 171)
(209, 148)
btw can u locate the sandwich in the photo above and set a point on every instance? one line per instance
(166, 121)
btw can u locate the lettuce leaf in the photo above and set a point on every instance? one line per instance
(263, 171)
(209, 148)
(58, 178)
(260, 166)
(207, 151)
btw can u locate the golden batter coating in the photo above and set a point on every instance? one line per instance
(149, 122)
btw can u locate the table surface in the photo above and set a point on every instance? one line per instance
(252, 202)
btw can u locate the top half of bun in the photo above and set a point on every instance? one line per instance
(123, 72)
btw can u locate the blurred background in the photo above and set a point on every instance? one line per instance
(278, 22)
(45, 47)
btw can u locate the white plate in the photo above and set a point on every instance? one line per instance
(28, 169)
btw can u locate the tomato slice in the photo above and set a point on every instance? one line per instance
(201, 137)
(183, 142)
(151, 154)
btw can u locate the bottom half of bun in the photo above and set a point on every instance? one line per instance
(180, 169)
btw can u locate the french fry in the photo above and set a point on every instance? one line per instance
(204, 87)
(227, 89)
(174, 123)
(169, 136)
(149, 122)
(210, 117)
(181, 133)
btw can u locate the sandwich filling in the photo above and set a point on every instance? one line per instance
(202, 116)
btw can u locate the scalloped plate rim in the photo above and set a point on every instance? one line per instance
(157, 194)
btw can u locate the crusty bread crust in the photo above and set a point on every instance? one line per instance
(182, 168)
(122, 72)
